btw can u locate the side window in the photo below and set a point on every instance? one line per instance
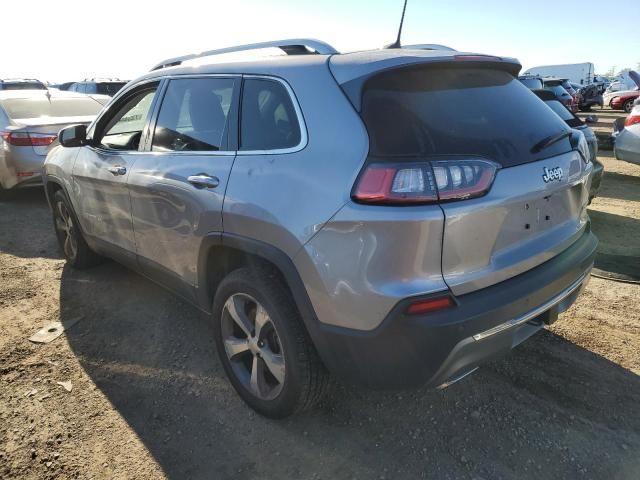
(90, 88)
(268, 118)
(194, 115)
(123, 130)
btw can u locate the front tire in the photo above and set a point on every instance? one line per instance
(72, 244)
(263, 346)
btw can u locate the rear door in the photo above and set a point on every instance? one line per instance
(536, 206)
(102, 169)
(177, 187)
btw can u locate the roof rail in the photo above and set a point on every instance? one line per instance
(297, 46)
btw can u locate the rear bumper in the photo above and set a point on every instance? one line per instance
(627, 144)
(437, 348)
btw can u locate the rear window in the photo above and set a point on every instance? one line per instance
(558, 90)
(532, 83)
(479, 112)
(20, 108)
(563, 113)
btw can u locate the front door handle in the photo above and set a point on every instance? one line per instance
(117, 170)
(202, 180)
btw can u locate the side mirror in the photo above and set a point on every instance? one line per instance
(591, 119)
(73, 136)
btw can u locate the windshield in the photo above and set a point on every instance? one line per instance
(23, 108)
(428, 111)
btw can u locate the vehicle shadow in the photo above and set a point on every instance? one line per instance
(536, 414)
(620, 186)
(619, 249)
(24, 213)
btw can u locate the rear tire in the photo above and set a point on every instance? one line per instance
(255, 319)
(628, 106)
(72, 244)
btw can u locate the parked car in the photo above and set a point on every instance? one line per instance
(574, 122)
(98, 86)
(623, 99)
(22, 84)
(589, 96)
(627, 140)
(276, 195)
(557, 86)
(29, 125)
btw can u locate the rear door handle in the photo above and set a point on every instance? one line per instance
(203, 180)
(117, 170)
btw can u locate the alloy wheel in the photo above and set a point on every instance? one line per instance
(66, 230)
(253, 347)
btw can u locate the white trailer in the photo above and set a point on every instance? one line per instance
(580, 73)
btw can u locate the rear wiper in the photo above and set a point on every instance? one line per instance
(548, 141)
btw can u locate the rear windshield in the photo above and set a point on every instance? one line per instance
(563, 113)
(558, 90)
(22, 108)
(429, 111)
(532, 83)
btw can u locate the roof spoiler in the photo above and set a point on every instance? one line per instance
(298, 46)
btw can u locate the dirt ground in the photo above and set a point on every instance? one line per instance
(149, 399)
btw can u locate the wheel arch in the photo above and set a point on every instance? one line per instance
(51, 185)
(221, 253)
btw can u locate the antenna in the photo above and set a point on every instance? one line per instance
(397, 44)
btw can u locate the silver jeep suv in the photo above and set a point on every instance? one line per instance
(395, 217)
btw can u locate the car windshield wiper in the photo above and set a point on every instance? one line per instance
(548, 141)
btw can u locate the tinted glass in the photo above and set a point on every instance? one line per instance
(21, 108)
(269, 120)
(22, 86)
(564, 114)
(109, 88)
(558, 90)
(531, 83)
(430, 111)
(124, 129)
(194, 115)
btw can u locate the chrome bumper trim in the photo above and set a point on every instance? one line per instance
(535, 312)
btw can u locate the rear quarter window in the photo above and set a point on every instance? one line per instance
(443, 111)
(268, 118)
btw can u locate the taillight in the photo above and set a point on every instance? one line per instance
(632, 120)
(25, 139)
(424, 182)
